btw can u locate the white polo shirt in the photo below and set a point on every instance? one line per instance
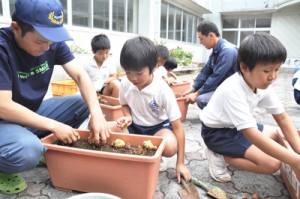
(98, 75)
(152, 105)
(233, 102)
(160, 71)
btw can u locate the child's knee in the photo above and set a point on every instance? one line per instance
(115, 84)
(171, 142)
(170, 150)
(271, 167)
(169, 153)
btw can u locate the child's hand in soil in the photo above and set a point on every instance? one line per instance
(65, 133)
(99, 129)
(124, 122)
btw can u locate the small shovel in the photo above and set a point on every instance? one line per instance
(189, 191)
(213, 191)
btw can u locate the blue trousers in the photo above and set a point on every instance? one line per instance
(296, 92)
(21, 147)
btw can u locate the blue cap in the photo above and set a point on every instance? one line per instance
(46, 16)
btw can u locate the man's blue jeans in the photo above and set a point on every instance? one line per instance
(21, 148)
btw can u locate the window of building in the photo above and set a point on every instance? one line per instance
(1, 8)
(11, 6)
(178, 24)
(244, 34)
(123, 16)
(64, 4)
(263, 23)
(101, 14)
(164, 20)
(132, 16)
(171, 27)
(231, 36)
(97, 13)
(230, 23)
(247, 23)
(190, 28)
(237, 29)
(80, 13)
(119, 15)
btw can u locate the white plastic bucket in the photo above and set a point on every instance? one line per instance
(94, 196)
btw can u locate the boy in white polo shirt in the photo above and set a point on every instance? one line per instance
(148, 103)
(231, 133)
(101, 67)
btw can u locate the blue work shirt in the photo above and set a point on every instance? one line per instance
(221, 64)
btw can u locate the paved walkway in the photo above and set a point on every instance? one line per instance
(266, 186)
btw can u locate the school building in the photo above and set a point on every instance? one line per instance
(174, 22)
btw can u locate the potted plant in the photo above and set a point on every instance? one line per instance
(182, 57)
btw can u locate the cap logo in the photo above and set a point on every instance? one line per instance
(56, 19)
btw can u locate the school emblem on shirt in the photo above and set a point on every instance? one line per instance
(154, 107)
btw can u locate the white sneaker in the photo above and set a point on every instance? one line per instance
(217, 166)
(163, 164)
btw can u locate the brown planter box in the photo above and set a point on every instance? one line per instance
(180, 88)
(290, 175)
(126, 176)
(183, 105)
(111, 112)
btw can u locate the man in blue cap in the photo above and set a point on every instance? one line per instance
(29, 49)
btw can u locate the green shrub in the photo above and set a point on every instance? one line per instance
(77, 49)
(182, 57)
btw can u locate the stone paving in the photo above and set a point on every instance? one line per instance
(266, 186)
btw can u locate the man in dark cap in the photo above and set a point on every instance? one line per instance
(29, 49)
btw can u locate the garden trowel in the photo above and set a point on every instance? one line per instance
(188, 191)
(212, 191)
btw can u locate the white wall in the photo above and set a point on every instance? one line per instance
(286, 27)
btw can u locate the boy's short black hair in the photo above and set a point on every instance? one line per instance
(171, 63)
(205, 27)
(260, 48)
(138, 53)
(100, 42)
(162, 51)
(23, 26)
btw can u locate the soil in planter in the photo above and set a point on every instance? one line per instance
(127, 149)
